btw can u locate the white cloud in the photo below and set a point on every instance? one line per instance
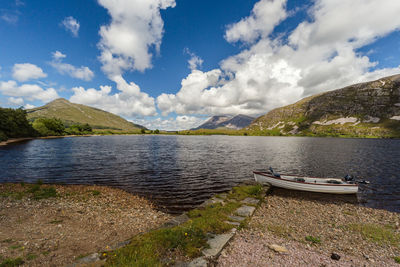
(129, 101)
(58, 55)
(172, 124)
(29, 106)
(195, 61)
(319, 55)
(10, 18)
(72, 25)
(136, 26)
(27, 91)
(265, 15)
(27, 71)
(16, 101)
(83, 73)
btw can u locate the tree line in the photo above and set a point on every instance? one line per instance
(14, 124)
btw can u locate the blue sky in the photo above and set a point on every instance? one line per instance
(172, 64)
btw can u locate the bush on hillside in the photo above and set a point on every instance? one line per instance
(48, 127)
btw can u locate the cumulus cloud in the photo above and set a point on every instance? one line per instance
(319, 55)
(72, 25)
(16, 101)
(30, 92)
(136, 27)
(265, 15)
(83, 73)
(195, 61)
(129, 101)
(27, 71)
(172, 124)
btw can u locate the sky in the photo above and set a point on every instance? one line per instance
(172, 64)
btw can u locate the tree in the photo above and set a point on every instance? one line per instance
(143, 131)
(47, 127)
(14, 124)
(156, 131)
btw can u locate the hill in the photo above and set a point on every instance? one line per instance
(226, 122)
(70, 113)
(370, 109)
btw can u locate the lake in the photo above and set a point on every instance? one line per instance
(180, 172)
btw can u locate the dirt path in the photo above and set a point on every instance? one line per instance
(79, 220)
(311, 227)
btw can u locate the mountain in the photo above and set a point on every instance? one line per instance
(226, 122)
(370, 109)
(71, 113)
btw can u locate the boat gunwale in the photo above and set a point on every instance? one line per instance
(281, 179)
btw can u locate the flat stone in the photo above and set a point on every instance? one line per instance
(88, 259)
(233, 223)
(198, 262)
(278, 248)
(250, 200)
(245, 211)
(218, 243)
(211, 201)
(236, 218)
(177, 220)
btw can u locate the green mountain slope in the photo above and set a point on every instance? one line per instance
(370, 109)
(71, 113)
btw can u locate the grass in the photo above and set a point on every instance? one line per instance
(312, 239)
(35, 191)
(11, 262)
(377, 233)
(95, 192)
(163, 246)
(31, 256)
(396, 259)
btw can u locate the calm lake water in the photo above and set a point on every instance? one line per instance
(179, 172)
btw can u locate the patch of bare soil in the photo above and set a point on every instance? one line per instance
(80, 220)
(311, 227)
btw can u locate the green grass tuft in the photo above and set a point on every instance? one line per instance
(377, 233)
(396, 259)
(11, 262)
(312, 239)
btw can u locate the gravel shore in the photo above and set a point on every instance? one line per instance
(80, 220)
(310, 227)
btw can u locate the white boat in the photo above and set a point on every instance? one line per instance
(312, 184)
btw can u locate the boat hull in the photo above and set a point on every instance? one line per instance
(264, 178)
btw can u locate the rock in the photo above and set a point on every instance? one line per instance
(198, 262)
(278, 248)
(217, 244)
(177, 220)
(233, 223)
(335, 256)
(250, 200)
(245, 211)
(236, 218)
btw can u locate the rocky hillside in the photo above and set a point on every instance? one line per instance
(370, 109)
(71, 113)
(226, 122)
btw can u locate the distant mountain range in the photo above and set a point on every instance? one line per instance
(370, 109)
(226, 122)
(71, 113)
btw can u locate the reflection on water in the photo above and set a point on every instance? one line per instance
(179, 172)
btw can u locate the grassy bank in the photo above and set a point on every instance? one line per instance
(167, 246)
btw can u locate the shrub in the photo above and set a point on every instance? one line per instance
(47, 127)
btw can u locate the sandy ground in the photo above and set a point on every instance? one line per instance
(79, 221)
(360, 236)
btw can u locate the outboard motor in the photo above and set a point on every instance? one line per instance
(349, 178)
(273, 173)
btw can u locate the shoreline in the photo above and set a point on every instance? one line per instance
(22, 139)
(54, 225)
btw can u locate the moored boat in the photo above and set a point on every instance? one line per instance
(311, 184)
